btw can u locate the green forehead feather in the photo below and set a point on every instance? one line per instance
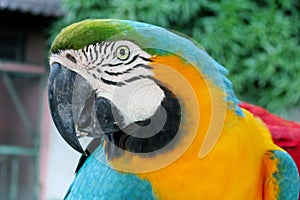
(81, 34)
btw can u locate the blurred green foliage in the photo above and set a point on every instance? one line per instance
(257, 41)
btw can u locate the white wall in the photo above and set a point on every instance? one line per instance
(62, 162)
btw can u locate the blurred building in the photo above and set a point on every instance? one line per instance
(24, 114)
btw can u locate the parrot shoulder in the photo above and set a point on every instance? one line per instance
(281, 176)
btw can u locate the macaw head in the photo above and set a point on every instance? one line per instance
(137, 85)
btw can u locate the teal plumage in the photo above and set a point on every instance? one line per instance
(97, 180)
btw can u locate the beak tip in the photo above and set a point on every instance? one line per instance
(80, 150)
(75, 144)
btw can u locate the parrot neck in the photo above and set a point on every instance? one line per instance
(151, 135)
(203, 110)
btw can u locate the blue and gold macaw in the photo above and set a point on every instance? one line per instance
(165, 119)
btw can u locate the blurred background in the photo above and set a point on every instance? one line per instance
(257, 41)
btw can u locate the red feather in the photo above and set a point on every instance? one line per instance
(285, 133)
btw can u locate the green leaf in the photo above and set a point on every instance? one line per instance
(258, 41)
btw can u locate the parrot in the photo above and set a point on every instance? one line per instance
(285, 133)
(163, 117)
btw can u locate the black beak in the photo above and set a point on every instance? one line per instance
(75, 110)
(60, 89)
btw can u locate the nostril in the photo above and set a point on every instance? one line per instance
(71, 58)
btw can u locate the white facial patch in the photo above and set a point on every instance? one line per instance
(144, 101)
(117, 71)
(138, 101)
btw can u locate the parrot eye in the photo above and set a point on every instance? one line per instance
(123, 52)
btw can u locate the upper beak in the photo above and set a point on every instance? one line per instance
(60, 89)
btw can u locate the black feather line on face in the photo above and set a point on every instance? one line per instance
(91, 53)
(132, 60)
(135, 78)
(119, 141)
(146, 59)
(114, 73)
(96, 53)
(83, 51)
(113, 65)
(142, 65)
(108, 82)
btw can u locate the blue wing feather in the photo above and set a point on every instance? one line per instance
(287, 176)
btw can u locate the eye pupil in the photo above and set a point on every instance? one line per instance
(122, 52)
